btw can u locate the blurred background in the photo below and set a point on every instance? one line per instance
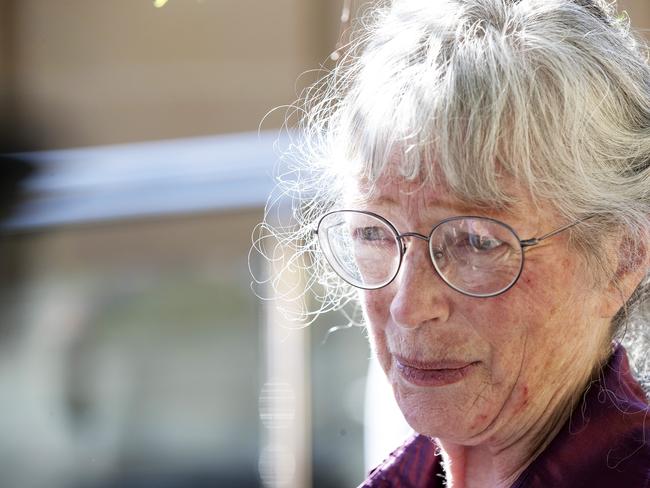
(133, 352)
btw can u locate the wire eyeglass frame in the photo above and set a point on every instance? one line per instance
(523, 243)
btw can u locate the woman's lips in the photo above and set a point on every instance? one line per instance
(433, 373)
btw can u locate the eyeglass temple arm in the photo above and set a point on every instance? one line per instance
(536, 240)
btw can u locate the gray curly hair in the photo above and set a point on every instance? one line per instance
(554, 94)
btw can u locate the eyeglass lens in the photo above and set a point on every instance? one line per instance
(474, 255)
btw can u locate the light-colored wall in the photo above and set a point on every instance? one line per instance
(96, 72)
(639, 12)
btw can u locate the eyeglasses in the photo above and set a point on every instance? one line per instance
(477, 256)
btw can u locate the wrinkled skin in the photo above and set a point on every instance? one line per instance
(534, 347)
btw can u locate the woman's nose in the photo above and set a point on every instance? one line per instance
(421, 296)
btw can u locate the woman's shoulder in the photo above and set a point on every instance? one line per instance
(415, 464)
(605, 442)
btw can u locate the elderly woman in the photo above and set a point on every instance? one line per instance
(483, 181)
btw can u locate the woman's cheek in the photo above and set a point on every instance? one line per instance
(376, 309)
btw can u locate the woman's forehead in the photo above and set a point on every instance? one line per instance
(395, 191)
(424, 202)
(422, 193)
(397, 179)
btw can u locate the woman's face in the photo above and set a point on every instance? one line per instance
(476, 370)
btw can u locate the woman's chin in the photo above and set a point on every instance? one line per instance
(454, 428)
(443, 412)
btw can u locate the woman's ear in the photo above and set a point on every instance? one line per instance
(630, 260)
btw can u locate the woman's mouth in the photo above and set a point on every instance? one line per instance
(433, 373)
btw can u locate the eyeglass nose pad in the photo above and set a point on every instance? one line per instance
(436, 253)
(402, 243)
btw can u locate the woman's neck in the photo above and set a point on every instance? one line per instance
(500, 461)
(498, 465)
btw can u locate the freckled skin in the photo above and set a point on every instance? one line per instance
(480, 418)
(524, 400)
(536, 345)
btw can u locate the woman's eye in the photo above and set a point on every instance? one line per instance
(370, 234)
(480, 242)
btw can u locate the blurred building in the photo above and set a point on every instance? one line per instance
(104, 72)
(133, 351)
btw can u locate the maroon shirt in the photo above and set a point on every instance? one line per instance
(605, 443)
